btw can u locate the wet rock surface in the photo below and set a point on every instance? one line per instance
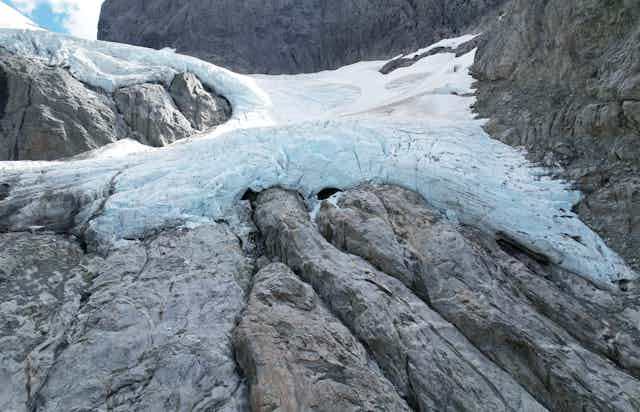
(561, 79)
(383, 303)
(47, 114)
(289, 36)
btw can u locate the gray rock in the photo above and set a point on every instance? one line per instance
(202, 108)
(146, 328)
(632, 112)
(299, 357)
(42, 283)
(431, 364)
(152, 115)
(47, 114)
(289, 36)
(561, 78)
(495, 301)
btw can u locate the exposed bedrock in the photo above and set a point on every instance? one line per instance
(148, 327)
(573, 346)
(562, 79)
(47, 114)
(299, 357)
(289, 36)
(431, 364)
(382, 304)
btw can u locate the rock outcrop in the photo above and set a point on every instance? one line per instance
(432, 365)
(381, 304)
(47, 114)
(148, 327)
(299, 357)
(260, 36)
(152, 115)
(204, 109)
(515, 316)
(562, 79)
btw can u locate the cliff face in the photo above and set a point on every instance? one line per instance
(562, 79)
(288, 36)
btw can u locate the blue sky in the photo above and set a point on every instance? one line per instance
(75, 17)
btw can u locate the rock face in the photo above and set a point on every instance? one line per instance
(431, 364)
(46, 114)
(562, 79)
(381, 304)
(289, 36)
(146, 328)
(154, 118)
(299, 357)
(203, 109)
(495, 300)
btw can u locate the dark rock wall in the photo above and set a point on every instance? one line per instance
(288, 36)
(562, 79)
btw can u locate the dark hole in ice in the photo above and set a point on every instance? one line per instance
(624, 285)
(326, 193)
(515, 248)
(250, 195)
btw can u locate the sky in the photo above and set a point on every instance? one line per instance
(76, 17)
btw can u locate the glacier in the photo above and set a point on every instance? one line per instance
(413, 127)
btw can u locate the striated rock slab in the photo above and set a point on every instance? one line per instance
(149, 330)
(299, 357)
(519, 319)
(431, 364)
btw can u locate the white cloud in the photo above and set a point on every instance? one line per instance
(79, 17)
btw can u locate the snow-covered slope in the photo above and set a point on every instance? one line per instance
(339, 128)
(13, 19)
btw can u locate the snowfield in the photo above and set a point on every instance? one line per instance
(338, 128)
